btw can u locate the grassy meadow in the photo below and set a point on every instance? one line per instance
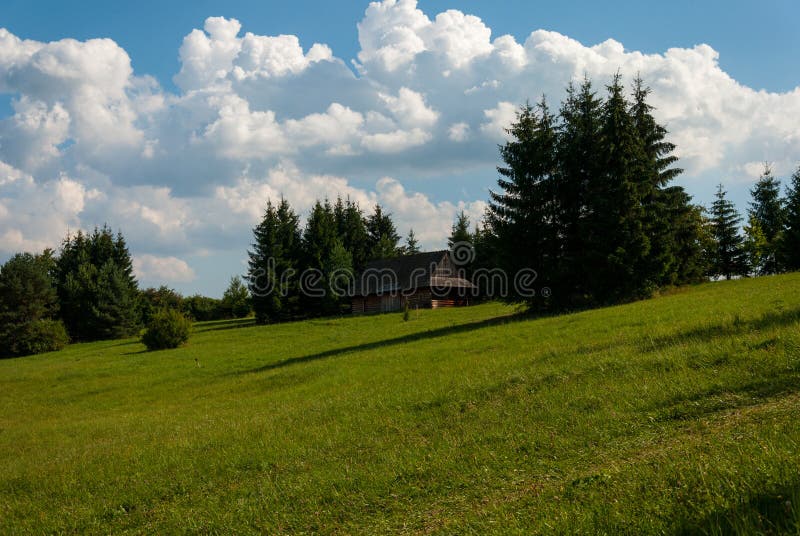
(676, 415)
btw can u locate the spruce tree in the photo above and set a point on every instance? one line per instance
(97, 289)
(663, 207)
(621, 245)
(460, 232)
(727, 256)
(325, 254)
(273, 264)
(382, 237)
(412, 245)
(352, 231)
(790, 238)
(522, 212)
(579, 161)
(767, 210)
(29, 306)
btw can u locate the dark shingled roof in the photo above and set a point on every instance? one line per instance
(420, 270)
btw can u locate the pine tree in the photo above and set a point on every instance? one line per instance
(522, 213)
(382, 235)
(621, 245)
(790, 238)
(767, 210)
(352, 231)
(274, 263)
(756, 246)
(412, 246)
(97, 289)
(727, 256)
(459, 232)
(579, 161)
(29, 306)
(236, 299)
(324, 253)
(663, 207)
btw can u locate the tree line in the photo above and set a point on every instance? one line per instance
(584, 198)
(87, 292)
(337, 238)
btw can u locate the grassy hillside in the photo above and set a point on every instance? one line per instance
(678, 414)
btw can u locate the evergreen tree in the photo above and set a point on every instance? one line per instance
(621, 245)
(459, 232)
(382, 237)
(756, 246)
(412, 246)
(352, 231)
(580, 158)
(96, 287)
(767, 211)
(790, 238)
(324, 252)
(522, 212)
(728, 256)
(29, 306)
(663, 207)
(273, 264)
(236, 299)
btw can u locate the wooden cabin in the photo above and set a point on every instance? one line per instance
(423, 280)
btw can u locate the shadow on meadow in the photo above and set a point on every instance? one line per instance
(386, 343)
(774, 512)
(734, 326)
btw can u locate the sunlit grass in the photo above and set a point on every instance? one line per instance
(678, 414)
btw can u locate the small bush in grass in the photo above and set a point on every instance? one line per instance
(34, 337)
(168, 328)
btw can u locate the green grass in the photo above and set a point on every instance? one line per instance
(676, 415)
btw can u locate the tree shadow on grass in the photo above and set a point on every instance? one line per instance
(735, 326)
(776, 511)
(387, 343)
(220, 325)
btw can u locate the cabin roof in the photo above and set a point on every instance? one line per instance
(430, 269)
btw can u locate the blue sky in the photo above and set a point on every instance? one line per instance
(178, 128)
(757, 41)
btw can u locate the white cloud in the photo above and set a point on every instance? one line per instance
(458, 132)
(162, 269)
(409, 109)
(396, 141)
(256, 116)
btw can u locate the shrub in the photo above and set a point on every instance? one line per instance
(167, 328)
(34, 337)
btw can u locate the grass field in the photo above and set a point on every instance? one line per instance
(675, 415)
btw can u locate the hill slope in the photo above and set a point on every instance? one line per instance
(677, 414)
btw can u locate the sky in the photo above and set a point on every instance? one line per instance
(175, 122)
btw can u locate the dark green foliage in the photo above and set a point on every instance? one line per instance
(274, 264)
(352, 231)
(460, 232)
(202, 308)
(412, 245)
(236, 299)
(29, 306)
(327, 263)
(727, 257)
(584, 201)
(168, 328)
(382, 237)
(96, 287)
(766, 215)
(790, 240)
(153, 299)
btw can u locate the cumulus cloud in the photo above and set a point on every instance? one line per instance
(88, 141)
(162, 269)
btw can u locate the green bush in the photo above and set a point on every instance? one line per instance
(167, 328)
(34, 337)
